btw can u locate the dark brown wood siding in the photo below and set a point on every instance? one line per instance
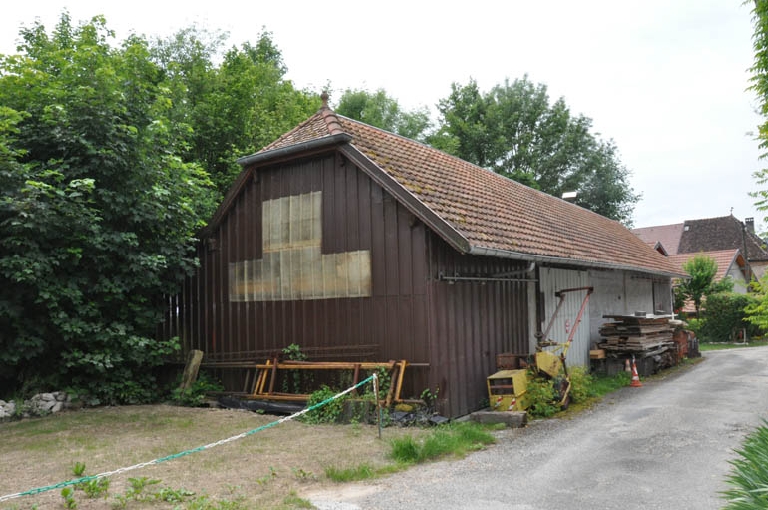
(472, 322)
(451, 332)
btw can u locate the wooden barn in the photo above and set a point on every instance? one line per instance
(358, 244)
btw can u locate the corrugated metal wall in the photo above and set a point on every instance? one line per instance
(232, 312)
(552, 280)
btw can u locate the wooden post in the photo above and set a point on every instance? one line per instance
(194, 358)
(378, 404)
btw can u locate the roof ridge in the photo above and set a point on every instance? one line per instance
(329, 116)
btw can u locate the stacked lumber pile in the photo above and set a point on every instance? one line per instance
(638, 335)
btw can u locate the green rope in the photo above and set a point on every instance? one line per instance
(84, 479)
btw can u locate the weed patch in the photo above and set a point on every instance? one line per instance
(454, 439)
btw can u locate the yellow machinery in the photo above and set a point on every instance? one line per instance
(547, 362)
(507, 390)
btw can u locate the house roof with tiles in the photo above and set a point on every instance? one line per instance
(476, 211)
(723, 233)
(725, 260)
(666, 235)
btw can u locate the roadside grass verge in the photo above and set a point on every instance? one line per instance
(453, 440)
(715, 346)
(749, 475)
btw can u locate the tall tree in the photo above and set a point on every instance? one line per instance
(760, 87)
(235, 108)
(701, 270)
(516, 131)
(382, 111)
(97, 212)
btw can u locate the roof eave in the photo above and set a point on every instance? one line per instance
(543, 259)
(291, 150)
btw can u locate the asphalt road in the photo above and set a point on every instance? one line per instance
(663, 446)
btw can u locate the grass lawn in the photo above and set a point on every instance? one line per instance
(269, 469)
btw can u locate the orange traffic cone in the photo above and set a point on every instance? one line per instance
(635, 378)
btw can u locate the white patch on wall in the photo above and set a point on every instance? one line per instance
(292, 266)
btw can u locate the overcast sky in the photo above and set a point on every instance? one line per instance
(666, 80)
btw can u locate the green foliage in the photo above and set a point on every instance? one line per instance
(78, 469)
(353, 474)
(168, 495)
(541, 397)
(581, 384)
(749, 475)
(760, 87)
(197, 393)
(452, 439)
(379, 110)
(725, 318)
(293, 352)
(602, 384)
(384, 381)
(430, 399)
(68, 493)
(330, 412)
(96, 488)
(757, 310)
(515, 131)
(405, 449)
(234, 108)
(97, 211)
(702, 270)
(138, 487)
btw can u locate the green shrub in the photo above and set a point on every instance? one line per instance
(581, 384)
(725, 317)
(749, 476)
(541, 397)
(196, 394)
(330, 412)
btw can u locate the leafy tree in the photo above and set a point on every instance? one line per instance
(97, 211)
(515, 131)
(382, 111)
(760, 87)
(702, 270)
(233, 109)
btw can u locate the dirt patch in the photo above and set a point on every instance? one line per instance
(258, 471)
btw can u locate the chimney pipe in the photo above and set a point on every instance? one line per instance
(750, 224)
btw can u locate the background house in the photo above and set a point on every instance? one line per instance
(730, 264)
(358, 244)
(711, 235)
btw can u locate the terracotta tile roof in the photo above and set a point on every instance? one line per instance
(667, 235)
(723, 258)
(494, 215)
(721, 233)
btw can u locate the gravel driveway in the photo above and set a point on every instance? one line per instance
(663, 446)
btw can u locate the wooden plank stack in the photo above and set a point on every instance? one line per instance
(638, 335)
